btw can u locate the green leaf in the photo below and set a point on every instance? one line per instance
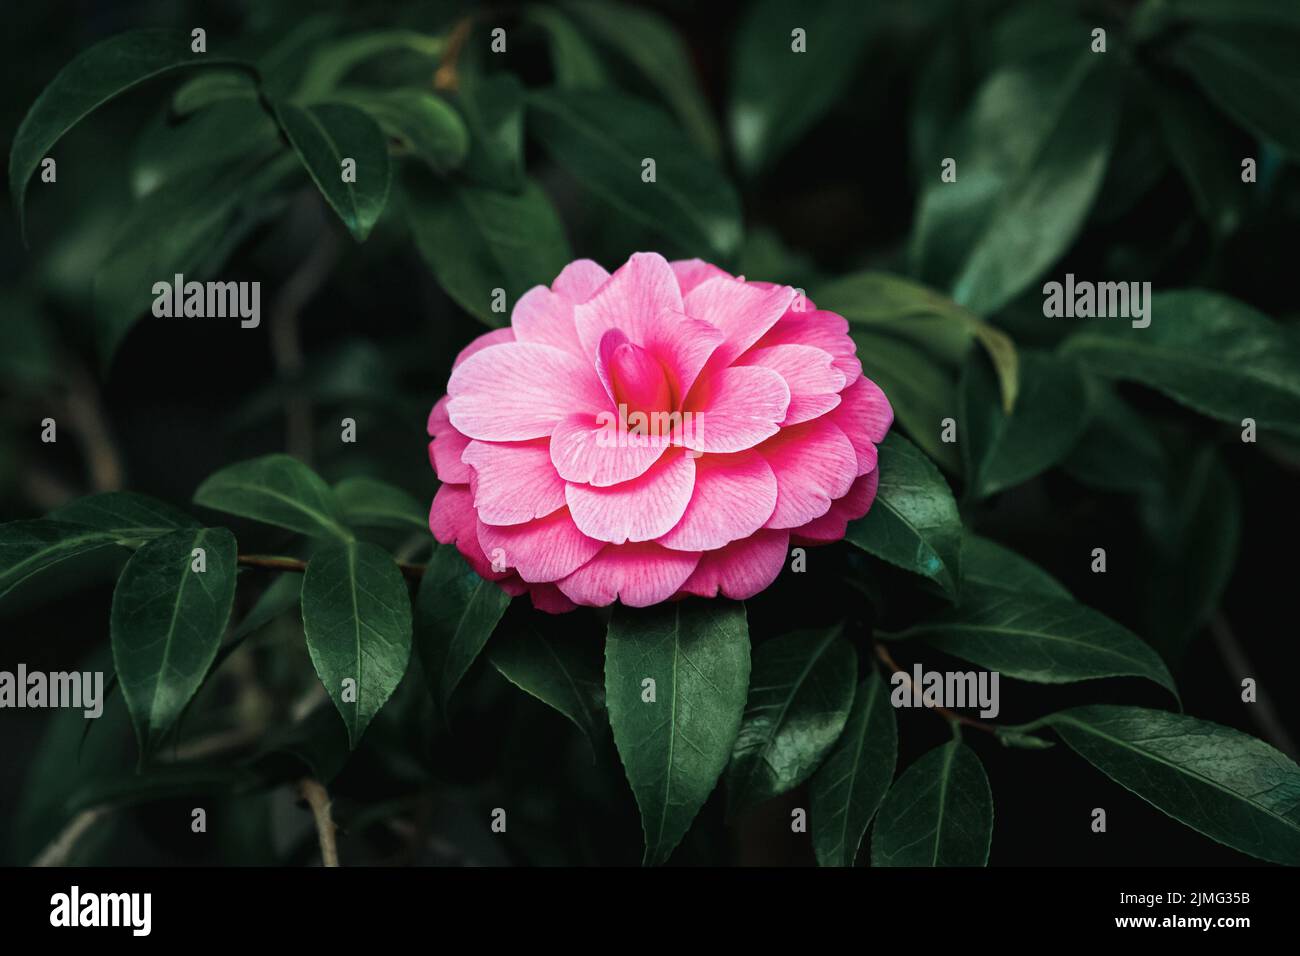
(28, 548)
(166, 624)
(914, 312)
(275, 489)
(476, 240)
(1000, 450)
(675, 746)
(777, 94)
(87, 82)
(913, 522)
(1219, 12)
(559, 670)
(938, 813)
(1048, 640)
(1206, 350)
(326, 134)
(228, 133)
(424, 124)
(208, 89)
(493, 108)
(1218, 781)
(1041, 210)
(126, 514)
(603, 138)
(920, 391)
(1119, 450)
(799, 699)
(456, 612)
(357, 618)
(1250, 72)
(989, 565)
(334, 60)
(652, 46)
(372, 503)
(848, 787)
(575, 64)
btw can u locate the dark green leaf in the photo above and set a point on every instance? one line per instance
(227, 133)
(456, 612)
(424, 124)
(1206, 350)
(28, 548)
(324, 136)
(211, 88)
(167, 621)
(848, 787)
(275, 489)
(1118, 450)
(477, 240)
(493, 108)
(126, 514)
(575, 64)
(603, 138)
(372, 503)
(357, 618)
(913, 522)
(675, 746)
(1229, 786)
(1000, 450)
(938, 813)
(90, 80)
(799, 699)
(333, 61)
(989, 564)
(1048, 640)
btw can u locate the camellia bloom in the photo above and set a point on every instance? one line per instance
(663, 431)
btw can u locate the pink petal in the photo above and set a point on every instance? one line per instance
(541, 550)
(741, 310)
(579, 280)
(832, 525)
(520, 390)
(452, 521)
(638, 510)
(550, 599)
(597, 450)
(825, 330)
(741, 569)
(864, 414)
(486, 340)
(633, 377)
(814, 463)
(637, 574)
(814, 381)
(691, 272)
(546, 318)
(735, 408)
(514, 482)
(447, 445)
(734, 495)
(631, 300)
(683, 346)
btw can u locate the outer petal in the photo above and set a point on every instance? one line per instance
(632, 299)
(447, 446)
(546, 318)
(638, 510)
(513, 482)
(742, 311)
(814, 380)
(864, 414)
(486, 340)
(541, 550)
(520, 390)
(691, 272)
(638, 574)
(825, 330)
(832, 525)
(550, 599)
(734, 496)
(586, 451)
(579, 280)
(733, 409)
(452, 521)
(814, 463)
(742, 568)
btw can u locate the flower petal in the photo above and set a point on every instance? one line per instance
(733, 409)
(741, 569)
(814, 380)
(691, 272)
(742, 311)
(486, 340)
(579, 280)
(734, 495)
(447, 446)
(598, 450)
(814, 464)
(541, 550)
(638, 510)
(513, 482)
(825, 330)
(546, 318)
(864, 414)
(832, 525)
(633, 298)
(637, 574)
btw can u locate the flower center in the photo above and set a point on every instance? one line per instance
(638, 380)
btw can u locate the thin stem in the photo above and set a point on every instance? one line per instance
(275, 562)
(950, 715)
(319, 800)
(1239, 665)
(446, 78)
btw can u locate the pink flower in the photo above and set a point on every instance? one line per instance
(664, 431)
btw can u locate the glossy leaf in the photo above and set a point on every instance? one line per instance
(913, 522)
(167, 621)
(1227, 785)
(801, 690)
(28, 548)
(333, 61)
(213, 87)
(676, 745)
(493, 108)
(603, 138)
(275, 489)
(849, 786)
(357, 617)
(1118, 450)
(326, 134)
(1212, 353)
(576, 65)
(456, 613)
(126, 514)
(424, 124)
(371, 503)
(990, 565)
(938, 813)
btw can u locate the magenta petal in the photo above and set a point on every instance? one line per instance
(734, 495)
(832, 525)
(520, 390)
(865, 415)
(550, 599)
(824, 330)
(638, 510)
(447, 446)
(733, 409)
(741, 569)
(636, 574)
(691, 272)
(742, 311)
(545, 318)
(591, 451)
(814, 463)
(486, 340)
(580, 280)
(541, 550)
(452, 521)
(513, 482)
(631, 300)
(810, 373)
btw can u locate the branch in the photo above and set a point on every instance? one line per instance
(58, 850)
(92, 432)
(950, 715)
(446, 79)
(277, 563)
(319, 801)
